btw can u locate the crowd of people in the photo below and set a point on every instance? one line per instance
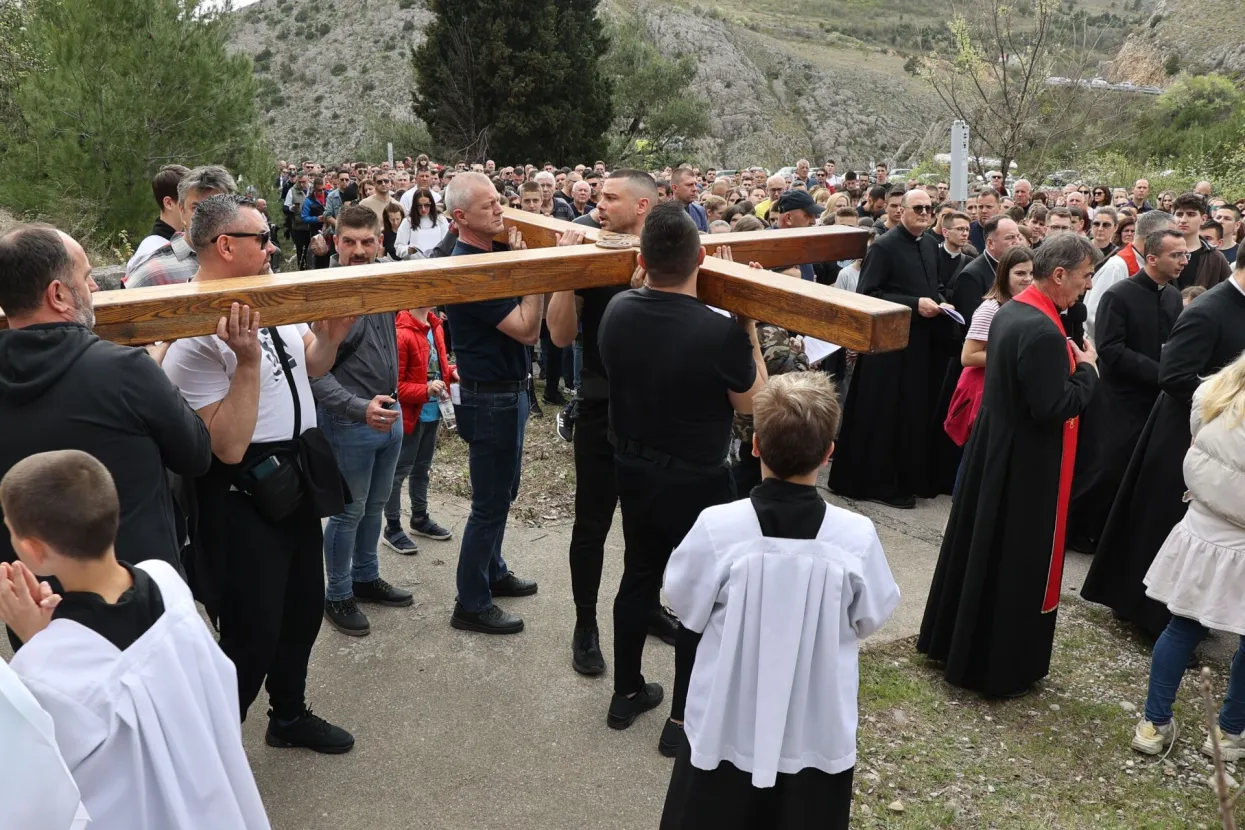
(1065, 348)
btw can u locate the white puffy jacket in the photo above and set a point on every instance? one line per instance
(1214, 467)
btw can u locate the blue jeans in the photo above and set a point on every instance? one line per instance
(1172, 651)
(492, 424)
(415, 460)
(367, 459)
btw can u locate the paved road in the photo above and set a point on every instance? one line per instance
(462, 731)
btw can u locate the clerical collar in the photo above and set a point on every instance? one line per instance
(1144, 279)
(953, 256)
(1235, 284)
(994, 263)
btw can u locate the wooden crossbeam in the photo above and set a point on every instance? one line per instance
(855, 321)
(862, 323)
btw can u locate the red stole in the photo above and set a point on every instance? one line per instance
(1129, 254)
(1031, 296)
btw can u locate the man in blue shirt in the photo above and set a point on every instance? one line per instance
(491, 338)
(683, 188)
(797, 209)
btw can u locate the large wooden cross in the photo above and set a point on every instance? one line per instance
(858, 322)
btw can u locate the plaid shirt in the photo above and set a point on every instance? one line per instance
(172, 263)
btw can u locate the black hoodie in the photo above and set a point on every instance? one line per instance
(61, 387)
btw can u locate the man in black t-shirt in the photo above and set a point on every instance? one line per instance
(677, 372)
(624, 202)
(491, 338)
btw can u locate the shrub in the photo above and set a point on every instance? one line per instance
(406, 4)
(368, 86)
(323, 29)
(408, 26)
(302, 16)
(338, 69)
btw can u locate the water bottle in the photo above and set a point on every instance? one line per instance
(447, 412)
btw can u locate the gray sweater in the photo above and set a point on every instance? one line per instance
(369, 367)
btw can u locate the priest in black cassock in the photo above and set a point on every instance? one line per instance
(1209, 335)
(991, 610)
(1135, 318)
(890, 425)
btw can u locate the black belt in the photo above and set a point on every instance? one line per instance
(488, 387)
(635, 449)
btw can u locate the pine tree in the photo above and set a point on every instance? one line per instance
(126, 86)
(514, 79)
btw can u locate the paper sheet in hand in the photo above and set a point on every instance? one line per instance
(952, 313)
(818, 350)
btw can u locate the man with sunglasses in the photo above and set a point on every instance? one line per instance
(887, 446)
(380, 199)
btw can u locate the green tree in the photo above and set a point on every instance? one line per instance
(127, 86)
(1199, 120)
(656, 115)
(515, 79)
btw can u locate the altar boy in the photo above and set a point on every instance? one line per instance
(144, 705)
(782, 586)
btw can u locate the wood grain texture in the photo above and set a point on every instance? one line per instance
(856, 321)
(167, 312)
(790, 246)
(540, 231)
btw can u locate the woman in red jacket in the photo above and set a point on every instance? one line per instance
(424, 375)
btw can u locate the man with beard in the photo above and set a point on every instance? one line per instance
(886, 447)
(626, 198)
(1134, 320)
(1209, 335)
(357, 410)
(61, 387)
(991, 609)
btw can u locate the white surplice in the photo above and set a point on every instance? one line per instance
(37, 791)
(776, 677)
(152, 734)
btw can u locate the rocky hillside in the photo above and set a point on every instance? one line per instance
(1195, 36)
(327, 76)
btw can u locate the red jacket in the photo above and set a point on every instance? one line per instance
(413, 364)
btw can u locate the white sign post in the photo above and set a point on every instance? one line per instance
(391, 155)
(959, 161)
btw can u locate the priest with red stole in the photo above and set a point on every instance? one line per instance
(991, 610)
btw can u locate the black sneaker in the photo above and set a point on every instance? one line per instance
(586, 654)
(671, 739)
(311, 732)
(396, 540)
(427, 528)
(513, 586)
(492, 620)
(624, 710)
(345, 616)
(382, 593)
(566, 422)
(663, 625)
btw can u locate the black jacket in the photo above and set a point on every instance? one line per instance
(969, 287)
(61, 387)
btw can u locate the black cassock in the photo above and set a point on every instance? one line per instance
(1002, 550)
(1134, 320)
(1209, 335)
(888, 446)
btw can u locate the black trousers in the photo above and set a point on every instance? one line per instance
(724, 799)
(659, 506)
(596, 496)
(273, 603)
(301, 240)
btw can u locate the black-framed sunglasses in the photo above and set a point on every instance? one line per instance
(920, 209)
(263, 236)
(1103, 224)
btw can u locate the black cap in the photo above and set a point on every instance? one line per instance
(798, 200)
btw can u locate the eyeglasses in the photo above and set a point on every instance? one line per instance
(262, 236)
(1083, 192)
(921, 209)
(1103, 224)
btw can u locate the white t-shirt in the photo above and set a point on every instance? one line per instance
(202, 369)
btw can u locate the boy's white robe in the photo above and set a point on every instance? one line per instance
(776, 678)
(151, 734)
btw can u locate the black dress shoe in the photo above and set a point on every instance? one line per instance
(491, 620)
(382, 593)
(586, 654)
(663, 625)
(901, 502)
(309, 731)
(671, 739)
(624, 710)
(513, 586)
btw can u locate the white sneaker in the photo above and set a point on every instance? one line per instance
(1231, 747)
(1151, 739)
